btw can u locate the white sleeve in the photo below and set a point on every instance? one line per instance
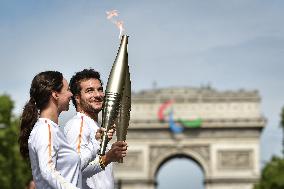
(87, 153)
(90, 166)
(88, 150)
(47, 163)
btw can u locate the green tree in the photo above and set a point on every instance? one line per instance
(14, 171)
(282, 126)
(272, 176)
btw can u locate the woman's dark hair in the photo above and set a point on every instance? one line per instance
(76, 79)
(43, 84)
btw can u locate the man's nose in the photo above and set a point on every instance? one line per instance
(97, 93)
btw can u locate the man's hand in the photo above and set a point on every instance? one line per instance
(100, 131)
(117, 151)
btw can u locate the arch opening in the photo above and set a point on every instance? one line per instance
(189, 172)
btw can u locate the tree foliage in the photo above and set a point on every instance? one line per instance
(272, 176)
(282, 126)
(14, 171)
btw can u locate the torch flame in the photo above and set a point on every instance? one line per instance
(111, 14)
(119, 23)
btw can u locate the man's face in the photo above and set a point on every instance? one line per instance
(91, 96)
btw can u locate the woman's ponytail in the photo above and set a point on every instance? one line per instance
(28, 119)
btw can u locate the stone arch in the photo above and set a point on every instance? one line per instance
(160, 154)
(226, 146)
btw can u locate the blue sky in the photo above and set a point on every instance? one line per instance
(229, 44)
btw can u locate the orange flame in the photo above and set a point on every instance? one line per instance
(119, 24)
(111, 14)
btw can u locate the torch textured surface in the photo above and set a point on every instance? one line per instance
(114, 90)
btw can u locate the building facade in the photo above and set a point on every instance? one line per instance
(224, 138)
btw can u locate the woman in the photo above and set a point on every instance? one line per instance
(54, 163)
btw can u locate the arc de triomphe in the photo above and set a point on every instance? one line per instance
(226, 145)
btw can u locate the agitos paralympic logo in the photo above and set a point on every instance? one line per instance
(166, 113)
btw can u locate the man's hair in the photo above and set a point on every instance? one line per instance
(76, 79)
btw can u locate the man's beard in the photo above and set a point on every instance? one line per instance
(88, 108)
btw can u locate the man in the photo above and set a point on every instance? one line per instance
(88, 97)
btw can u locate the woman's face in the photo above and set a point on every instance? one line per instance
(64, 97)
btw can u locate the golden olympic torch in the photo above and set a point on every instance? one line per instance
(124, 113)
(117, 96)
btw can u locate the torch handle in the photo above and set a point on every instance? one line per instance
(103, 144)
